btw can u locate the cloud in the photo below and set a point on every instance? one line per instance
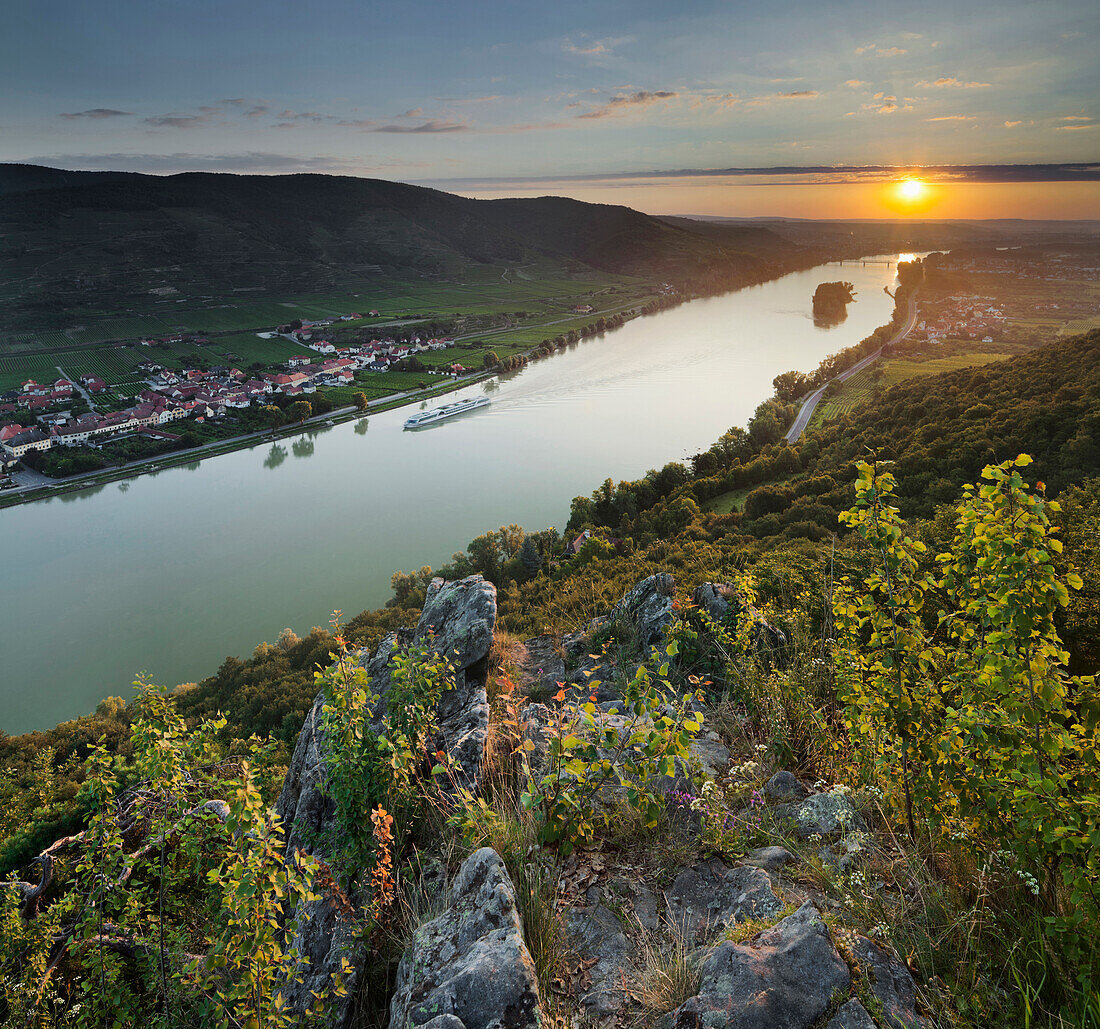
(413, 112)
(1074, 128)
(585, 51)
(177, 121)
(856, 83)
(881, 51)
(801, 175)
(247, 162)
(470, 99)
(257, 111)
(952, 83)
(799, 94)
(596, 49)
(96, 113)
(1075, 117)
(1012, 124)
(952, 117)
(623, 101)
(433, 125)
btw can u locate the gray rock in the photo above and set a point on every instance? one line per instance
(783, 978)
(783, 787)
(710, 896)
(852, 1015)
(458, 621)
(542, 666)
(846, 852)
(535, 719)
(461, 616)
(771, 859)
(648, 607)
(891, 984)
(823, 814)
(444, 1022)
(470, 962)
(719, 600)
(598, 934)
(713, 756)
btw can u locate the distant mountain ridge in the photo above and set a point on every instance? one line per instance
(69, 237)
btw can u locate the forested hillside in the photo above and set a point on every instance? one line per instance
(901, 615)
(74, 239)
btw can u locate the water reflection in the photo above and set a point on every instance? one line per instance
(83, 494)
(123, 486)
(303, 446)
(275, 456)
(361, 426)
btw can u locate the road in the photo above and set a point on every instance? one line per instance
(27, 478)
(809, 405)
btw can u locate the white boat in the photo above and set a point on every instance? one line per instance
(437, 414)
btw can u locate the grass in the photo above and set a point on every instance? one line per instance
(888, 372)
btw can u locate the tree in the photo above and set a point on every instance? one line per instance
(529, 555)
(359, 398)
(299, 411)
(272, 415)
(490, 360)
(789, 386)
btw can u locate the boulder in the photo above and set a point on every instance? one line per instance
(823, 814)
(597, 934)
(771, 859)
(470, 963)
(648, 608)
(710, 896)
(783, 978)
(891, 984)
(783, 787)
(852, 1015)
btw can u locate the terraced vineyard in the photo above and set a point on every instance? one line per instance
(862, 386)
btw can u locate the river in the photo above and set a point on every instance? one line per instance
(172, 571)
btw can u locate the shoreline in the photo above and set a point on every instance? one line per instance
(173, 459)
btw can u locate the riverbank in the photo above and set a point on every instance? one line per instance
(175, 459)
(173, 571)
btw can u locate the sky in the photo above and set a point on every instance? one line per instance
(617, 101)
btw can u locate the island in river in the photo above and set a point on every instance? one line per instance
(831, 300)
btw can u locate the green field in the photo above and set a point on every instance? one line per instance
(14, 370)
(887, 372)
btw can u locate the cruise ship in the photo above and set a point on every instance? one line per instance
(437, 414)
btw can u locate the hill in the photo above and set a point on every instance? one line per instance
(74, 240)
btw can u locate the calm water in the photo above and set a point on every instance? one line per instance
(171, 572)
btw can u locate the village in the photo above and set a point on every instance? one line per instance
(41, 416)
(960, 317)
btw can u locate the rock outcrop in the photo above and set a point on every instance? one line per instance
(891, 984)
(823, 814)
(852, 1015)
(783, 978)
(648, 608)
(710, 897)
(457, 622)
(469, 967)
(598, 936)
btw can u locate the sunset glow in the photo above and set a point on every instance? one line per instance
(911, 190)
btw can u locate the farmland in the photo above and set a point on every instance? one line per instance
(875, 378)
(107, 345)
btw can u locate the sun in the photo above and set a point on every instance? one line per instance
(911, 190)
